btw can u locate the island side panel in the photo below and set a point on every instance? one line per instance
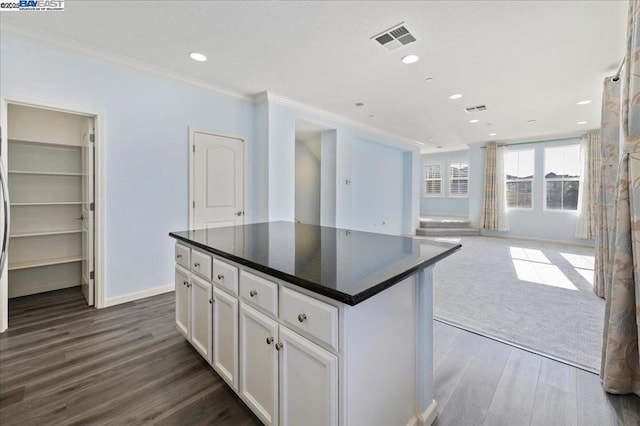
(380, 358)
(426, 406)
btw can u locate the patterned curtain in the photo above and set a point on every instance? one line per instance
(620, 369)
(605, 208)
(586, 225)
(494, 214)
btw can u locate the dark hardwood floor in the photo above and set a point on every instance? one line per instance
(64, 363)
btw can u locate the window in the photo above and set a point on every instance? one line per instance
(458, 179)
(518, 166)
(432, 179)
(562, 177)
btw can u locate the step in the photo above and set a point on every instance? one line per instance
(447, 232)
(444, 222)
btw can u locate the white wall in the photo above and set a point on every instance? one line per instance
(307, 188)
(146, 137)
(536, 223)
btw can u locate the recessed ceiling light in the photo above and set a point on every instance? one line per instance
(428, 79)
(455, 96)
(474, 120)
(359, 104)
(439, 146)
(410, 59)
(581, 122)
(531, 121)
(371, 115)
(197, 56)
(492, 134)
(586, 101)
(489, 124)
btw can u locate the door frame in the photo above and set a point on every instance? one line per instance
(192, 132)
(99, 193)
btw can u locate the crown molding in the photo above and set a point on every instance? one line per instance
(271, 97)
(84, 49)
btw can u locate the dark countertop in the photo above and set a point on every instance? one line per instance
(348, 266)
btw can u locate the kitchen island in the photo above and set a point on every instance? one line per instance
(313, 325)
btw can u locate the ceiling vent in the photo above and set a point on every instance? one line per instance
(476, 108)
(394, 37)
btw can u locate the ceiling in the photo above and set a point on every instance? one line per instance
(530, 60)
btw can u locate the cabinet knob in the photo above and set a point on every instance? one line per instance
(269, 340)
(210, 301)
(302, 317)
(220, 276)
(189, 285)
(178, 256)
(279, 346)
(184, 283)
(253, 293)
(196, 265)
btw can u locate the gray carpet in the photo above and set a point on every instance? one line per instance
(533, 294)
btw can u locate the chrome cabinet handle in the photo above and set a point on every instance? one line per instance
(220, 277)
(269, 340)
(196, 265)
(279, 346)
(302, 317)
(253, 293)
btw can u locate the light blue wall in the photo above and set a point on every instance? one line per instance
(535, 223)
(445, 204)
(146, 143)
(352, 146)
(377, 187)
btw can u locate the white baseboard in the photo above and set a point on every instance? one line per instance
(427, 418)
(112, 301)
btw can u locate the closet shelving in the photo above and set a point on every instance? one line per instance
(45, 187)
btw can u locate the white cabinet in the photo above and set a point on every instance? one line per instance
(193, 310)
(183, 302)
(225, 336)
(308, 382)
(286, 379)
(201, 293)
(259, 364)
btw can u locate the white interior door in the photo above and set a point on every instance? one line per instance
(217, 181)
(87, 217)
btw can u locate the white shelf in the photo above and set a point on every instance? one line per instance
(49, 203)
(43, 233)
(26, 172)
(44, 262)
(45, 144)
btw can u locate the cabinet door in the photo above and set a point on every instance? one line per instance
(183, 302)
(201, 316)
(225, 336)
(259, 364)
(308, 382)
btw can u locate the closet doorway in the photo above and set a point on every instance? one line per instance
(49, 161)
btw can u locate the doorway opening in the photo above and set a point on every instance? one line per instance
(315, 178)
(48, 156)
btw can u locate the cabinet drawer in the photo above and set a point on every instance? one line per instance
(259, 292)
(312, 316)
(201, 264)
(182, 256)
(226, 276)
